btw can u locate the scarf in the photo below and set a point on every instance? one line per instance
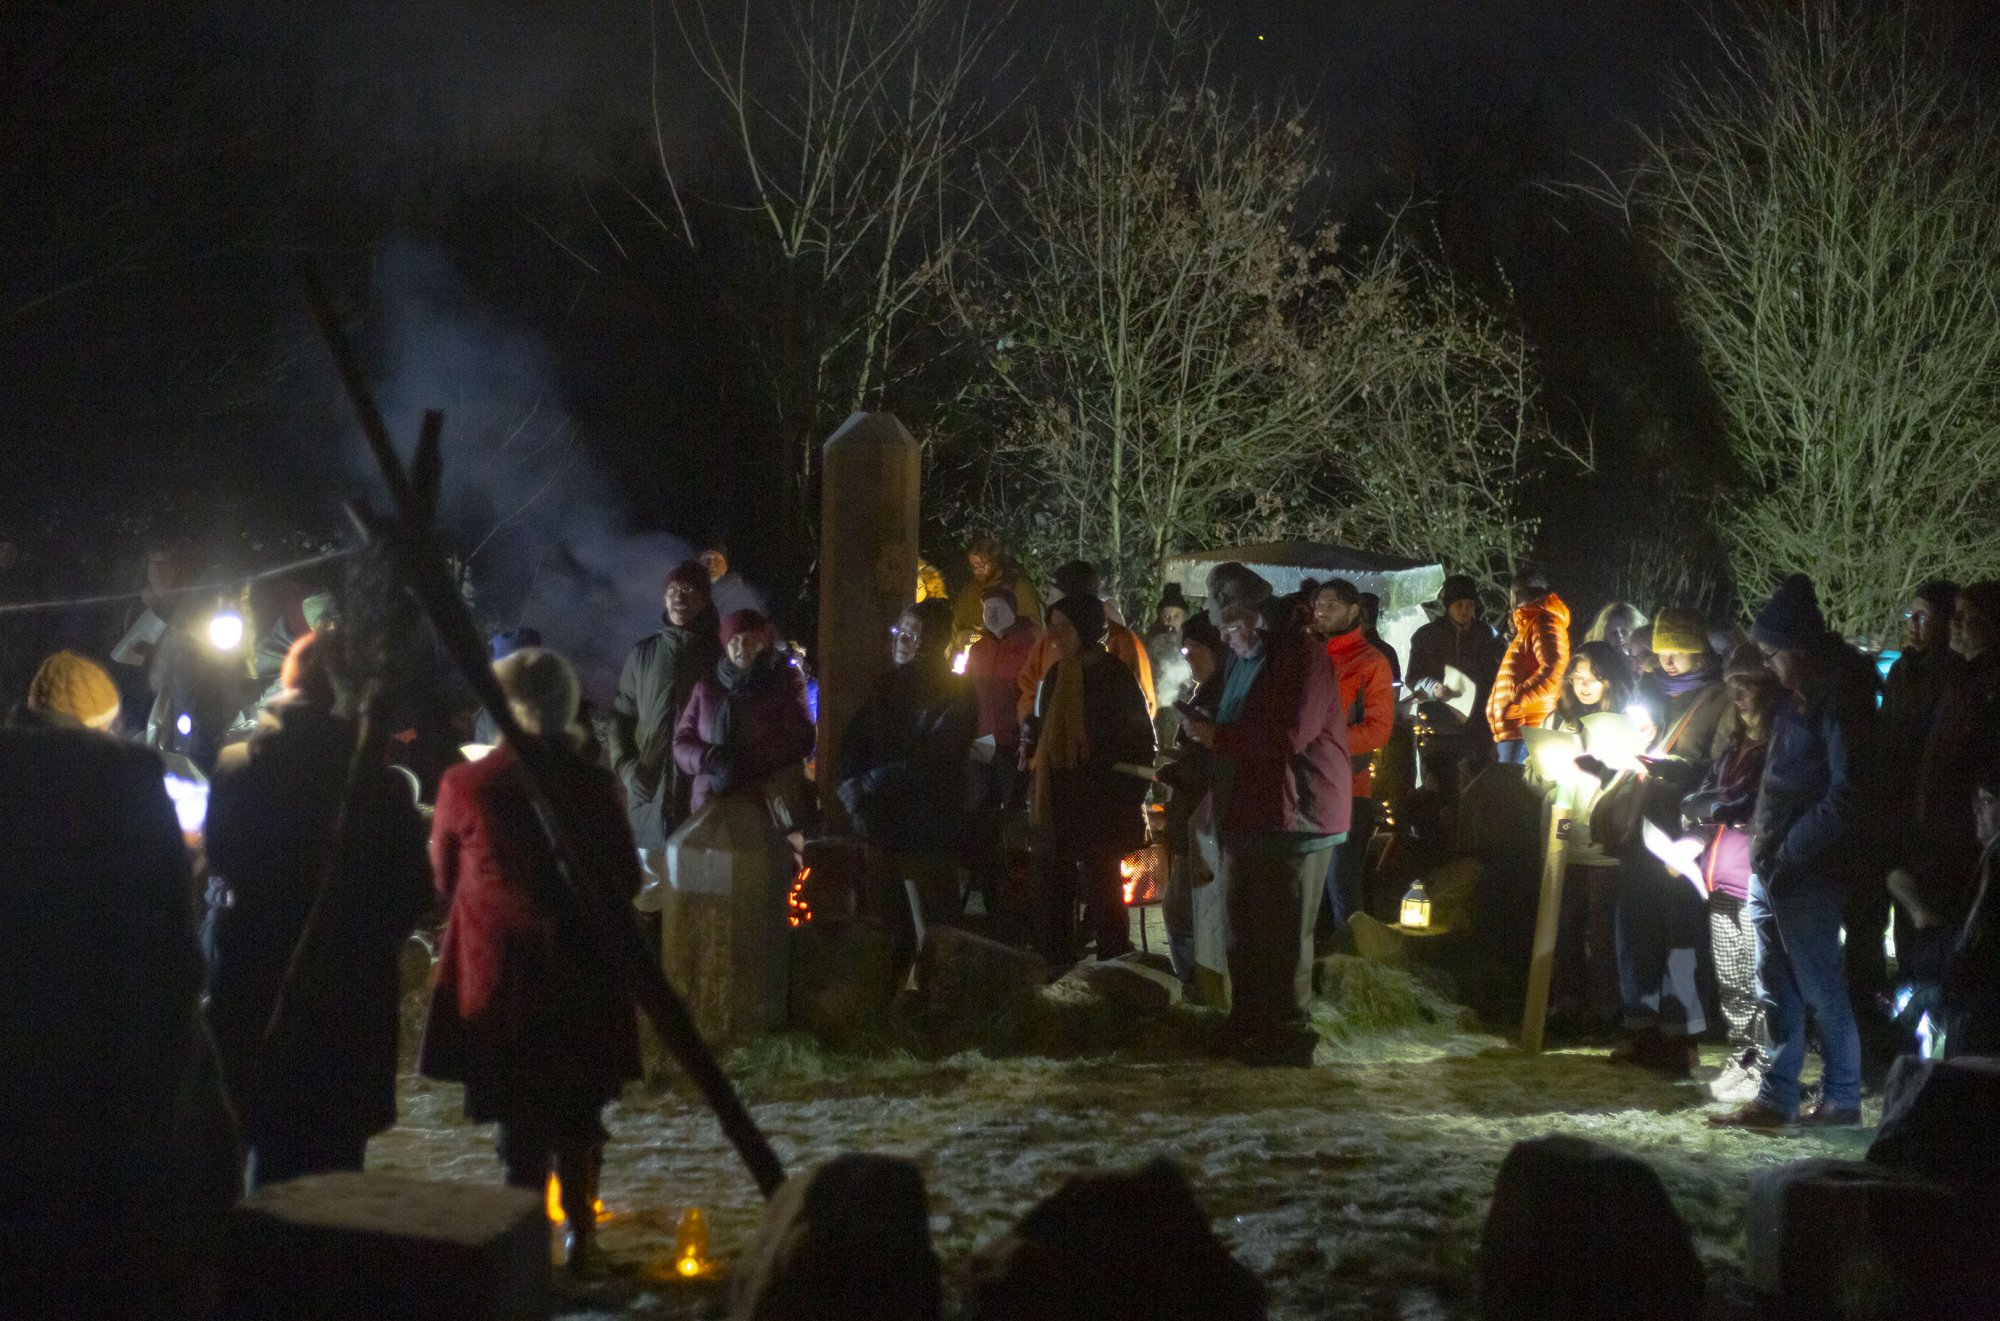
(740, 682)
(1680, 685)
(1063, 743)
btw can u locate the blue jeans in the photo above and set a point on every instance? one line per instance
(1799, 971)
(1512, 752)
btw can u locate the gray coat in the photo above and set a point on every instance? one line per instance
(659, 677)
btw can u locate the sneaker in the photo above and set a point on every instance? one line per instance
(1755, 1116)
(1827, 1116)
(1736, 1083)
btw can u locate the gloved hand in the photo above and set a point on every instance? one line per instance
(719, 765)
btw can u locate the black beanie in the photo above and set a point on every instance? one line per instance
(1791, 620)
(1085, 614)
(1458, 587)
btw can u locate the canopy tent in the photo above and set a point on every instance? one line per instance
(1404, 585)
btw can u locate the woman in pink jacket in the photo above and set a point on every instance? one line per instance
(746, 719)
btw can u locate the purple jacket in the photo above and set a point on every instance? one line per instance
(769, 730)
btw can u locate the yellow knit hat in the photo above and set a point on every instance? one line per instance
(75, 686)
(1679, 630)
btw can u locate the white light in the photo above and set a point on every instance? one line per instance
(185, 725)
(474, 751)
(190, 802)
(225, 630)
(958, 661)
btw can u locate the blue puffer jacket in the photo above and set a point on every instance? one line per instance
(1815, 811)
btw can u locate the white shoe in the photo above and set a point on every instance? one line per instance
(1736, 1084)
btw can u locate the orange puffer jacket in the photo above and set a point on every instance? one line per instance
(1530, 678)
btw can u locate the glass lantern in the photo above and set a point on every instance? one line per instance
(1416, 910)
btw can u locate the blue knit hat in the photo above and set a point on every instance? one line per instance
(1791, 620)
(510, 640)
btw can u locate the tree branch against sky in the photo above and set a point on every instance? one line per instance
(1826, 208)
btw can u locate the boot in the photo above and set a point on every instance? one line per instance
(1640, 1048)
(579, 1170)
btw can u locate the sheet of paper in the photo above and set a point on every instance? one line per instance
(1461, 690)
(140, 639)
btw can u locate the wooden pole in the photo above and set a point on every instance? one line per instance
(1548, 917)
(419, 560)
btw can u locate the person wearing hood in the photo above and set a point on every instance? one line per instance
(1810, 838)
(1369, 700)
(904, 760)
(1090, 718)
(653, 690)
(310, 1094)
(526, 1010)
(499, 647)
(746, 720)
(1280, 795)
(118, 1158)
(1529, 679)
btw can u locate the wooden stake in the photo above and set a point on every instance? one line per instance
(1548, 917)
(420, 562)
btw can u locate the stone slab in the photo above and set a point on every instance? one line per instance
(350, 1245)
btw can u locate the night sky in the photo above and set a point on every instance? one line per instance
(174, 161)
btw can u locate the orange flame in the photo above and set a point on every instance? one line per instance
(1129, 869)
(556, 1214)
(799, 911)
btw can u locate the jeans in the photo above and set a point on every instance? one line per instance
(1512, 752)
(1347, 865)
(1658, 921)
(1799, 971)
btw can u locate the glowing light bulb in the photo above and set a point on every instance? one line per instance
(691, 1242)
(185, 725)
(225, 630)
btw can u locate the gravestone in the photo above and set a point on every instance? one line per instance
(848, 1240)
(369, 1245)
(724, 936)
(1583, 1232)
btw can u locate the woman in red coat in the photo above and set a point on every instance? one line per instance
(746, 720)
(525, 1012)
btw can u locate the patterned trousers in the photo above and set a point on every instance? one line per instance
(1734, 943)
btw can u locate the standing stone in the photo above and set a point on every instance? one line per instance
(849, 1240)
(843, 975)
(1938, 1120)
(369, 1245)
(725, 941)
(867, 573)
(1845, 1240)
(1110, 1246)
(1583, 1232)
(963, 980)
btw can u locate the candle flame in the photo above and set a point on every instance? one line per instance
(798, 911)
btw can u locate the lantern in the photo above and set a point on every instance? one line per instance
(1416, 907)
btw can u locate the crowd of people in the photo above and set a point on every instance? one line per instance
(1752, 814)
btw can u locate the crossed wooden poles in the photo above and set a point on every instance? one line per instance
(419, 561)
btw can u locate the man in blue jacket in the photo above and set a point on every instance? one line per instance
(1809, 836)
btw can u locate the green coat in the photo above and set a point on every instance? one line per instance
(659, 677)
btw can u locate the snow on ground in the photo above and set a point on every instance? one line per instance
(1356, 1188)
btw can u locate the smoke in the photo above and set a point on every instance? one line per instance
(537, 521)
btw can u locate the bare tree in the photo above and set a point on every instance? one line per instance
(1826, 207)
(852, 121)
(1178, 358)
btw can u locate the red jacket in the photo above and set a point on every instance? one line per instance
(995, 670)
(1531, 672)
(524, 1011)
(1119, 640)
(1289, 744)
(769, 730)
(1366, 697)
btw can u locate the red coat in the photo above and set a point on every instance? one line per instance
(1289, 743)
(995, 670)
(1531, 672)
(1366, 697)
(770, 730)
(524, 1011)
